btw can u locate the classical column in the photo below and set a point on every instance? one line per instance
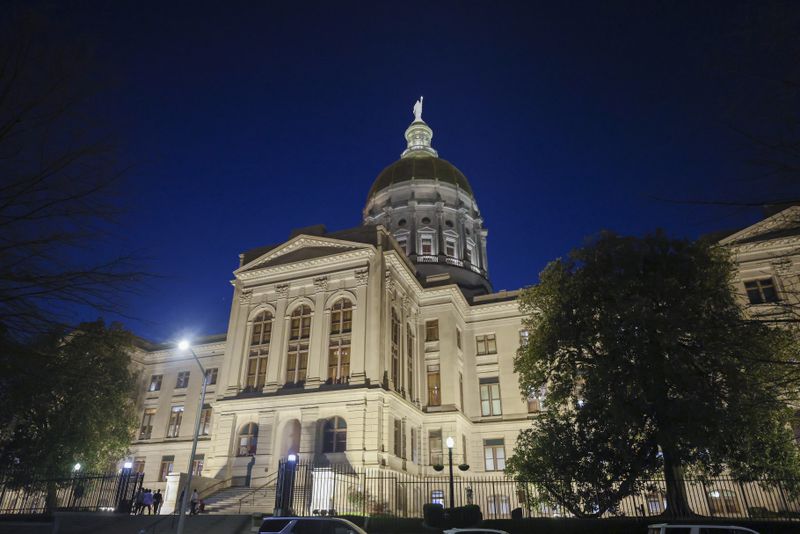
(277, 347)
(358, 372)
(234, 346)
(320, 322)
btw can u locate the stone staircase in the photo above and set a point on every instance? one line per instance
(242, 500)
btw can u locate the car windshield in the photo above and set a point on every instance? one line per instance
(273, 525)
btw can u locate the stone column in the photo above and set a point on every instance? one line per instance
(276, 366)
(358, 340)
(234, 346)
(320, 323)
(264, 449)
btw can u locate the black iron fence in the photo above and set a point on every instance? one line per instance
(81, 492)
(309, 489)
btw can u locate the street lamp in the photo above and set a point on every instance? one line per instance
(450, 444)
(76, 467)
(182, 346)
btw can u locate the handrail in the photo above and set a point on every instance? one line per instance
(270, 480)
(207, 493)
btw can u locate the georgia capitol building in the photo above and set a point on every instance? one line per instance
(371, 346)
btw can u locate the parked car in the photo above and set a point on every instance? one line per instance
(475, 530)
(664, 528)
(308, 525)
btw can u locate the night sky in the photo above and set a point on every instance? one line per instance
(245, 120)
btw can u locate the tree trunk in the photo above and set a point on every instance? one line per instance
(677, 501)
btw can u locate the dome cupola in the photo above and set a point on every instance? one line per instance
(429, 207)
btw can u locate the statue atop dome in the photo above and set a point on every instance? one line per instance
(418, 110)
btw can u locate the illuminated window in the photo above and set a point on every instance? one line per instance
(469, 255)
(183, 380)
(205, 421)
(437, 497)
(258, 356)
(426, 244)
(494, 454)
(167, 466)
(432, 330)
(155, 383)
(334, 435)
(339, 342)
(175, 419)
(450, 247)
(524, 335)
(435, 447)
(146, 429)
(490, 397)
(211, 376)
(138, 465)
(299, 334)
(197, 465)
(486, 344)
(434, 386)
(248, 440)
(761, 291)
(722, 502)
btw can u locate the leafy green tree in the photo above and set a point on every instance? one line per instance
(67, 398)
(650, 367)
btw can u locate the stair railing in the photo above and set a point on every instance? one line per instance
(250, 497)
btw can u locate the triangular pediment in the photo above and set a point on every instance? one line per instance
(783, 224)
(299, 249)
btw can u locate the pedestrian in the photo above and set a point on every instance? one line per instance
(137, 502)
(195, 498)
(201, 506)
(147, 501)
(157, 500)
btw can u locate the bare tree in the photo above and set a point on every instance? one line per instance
(58, 173)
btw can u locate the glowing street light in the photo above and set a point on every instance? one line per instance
(450, 444)
(184, 345)
(76, 467)
(127, 465)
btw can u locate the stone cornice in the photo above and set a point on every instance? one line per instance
(364, 253)
(779, 220)
(298, 242)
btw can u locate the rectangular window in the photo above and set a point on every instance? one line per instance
(205, 421)
(395, 348)
(461, 389)
(523, 338)
(450, 247)
(410, 362)
(297, 363)
(339, 361)
(183, 380)
(197, 465)
(211, 376)
(437, 497)
(138, 465)
(432, 330)
(175, 418)
(402, 242)
(155, 383)
(426, 245)
(435, 447)
(414, 458)
(535, 398)
(486, 344)
(494, 454)
(146, 430)
(469, 254)
(761, 291)
(490, 397)
(434, 386)
(167, 466)
(398, 438)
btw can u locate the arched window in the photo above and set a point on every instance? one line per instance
(334, 435)
(395, 350)
(299, 335)
(248, 439)
(259, 351)
(339, 342)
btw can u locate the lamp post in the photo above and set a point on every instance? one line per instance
(450, 444)
(184, 345)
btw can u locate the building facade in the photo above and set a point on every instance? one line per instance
(371, 346)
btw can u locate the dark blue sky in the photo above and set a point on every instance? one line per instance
(245, 120)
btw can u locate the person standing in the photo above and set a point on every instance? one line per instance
(147, 501)
(137, 501)
(195, 497)
(158, 499)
